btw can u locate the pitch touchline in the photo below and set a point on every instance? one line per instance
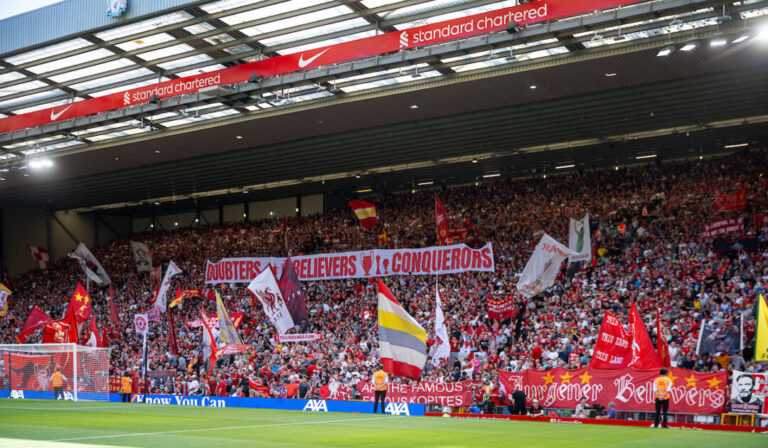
(191, 430)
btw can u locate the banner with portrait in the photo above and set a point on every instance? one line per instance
(748, 392)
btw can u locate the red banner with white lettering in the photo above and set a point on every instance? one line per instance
(502, 309)
(724, 226)
(631, 389)
(362, 264)
(612, 349)
(424, 392)
(486, 22)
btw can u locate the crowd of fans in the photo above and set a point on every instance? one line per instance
(648, 248)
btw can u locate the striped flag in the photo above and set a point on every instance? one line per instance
(366, 213)
(227, 328)
(402, 341)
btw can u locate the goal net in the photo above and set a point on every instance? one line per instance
(30, 367)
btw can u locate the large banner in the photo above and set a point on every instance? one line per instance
(631, 389)
(462, 27)
(749, 392)
(361, 264)
(424, 392)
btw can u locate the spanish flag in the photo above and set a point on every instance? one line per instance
(366, 213)
(382, 238)
(402, 341)
(761, 338)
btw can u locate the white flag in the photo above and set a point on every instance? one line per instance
(142, 256)
(442, 346)
(90, 265)
(265, 288)
(580, 240)
(542, 268)
(161, 293)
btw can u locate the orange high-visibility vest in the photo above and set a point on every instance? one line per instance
(126, 385)
(663, 385)
(57, 379)
(380, 380)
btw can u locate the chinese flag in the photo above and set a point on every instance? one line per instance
(80, 305)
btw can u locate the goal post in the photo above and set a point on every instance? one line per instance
(30, 367)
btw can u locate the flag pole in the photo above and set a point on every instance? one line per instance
(144, 361)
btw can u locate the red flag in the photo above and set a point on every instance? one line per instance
(441, 221)
(366, 213)
(172, 334)
(209, 343)
(237, 319)
(612, 350)
(94, 338)
(105, 337)
(643, 355)
(80, 304)
(661, 342)
(37, 318)
(113, 316)
(760, 221)
(730, 202)
(292, 293)
(61, 331)
(56, 332)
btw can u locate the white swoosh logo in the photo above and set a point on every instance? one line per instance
(303, 63)
(54, 116)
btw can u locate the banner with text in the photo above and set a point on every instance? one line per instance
(749, 392)
(424, 392)
(631, 389)
(462, 27)
(361, 264)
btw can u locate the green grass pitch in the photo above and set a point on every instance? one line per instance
(38, 423)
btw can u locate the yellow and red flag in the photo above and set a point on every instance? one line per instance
(365, 212)
(80, 305)
(4, 293)
(382, 238)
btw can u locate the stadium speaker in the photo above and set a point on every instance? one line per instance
(154, 99)
(512, 28)
(254, 79)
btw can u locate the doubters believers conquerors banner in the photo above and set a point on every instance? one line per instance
(361, 264)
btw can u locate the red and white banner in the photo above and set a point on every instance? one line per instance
(213, 321)
(362, 264)
(486, 22)
(301, 337)
(40, 254)
(424, 392)
(730, 202)
(724, 226)
(233, 349)
(631, 389)
(502, 309)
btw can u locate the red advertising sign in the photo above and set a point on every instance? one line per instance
(462, 27)
(424, 392)
(362, 264)
(631, 389)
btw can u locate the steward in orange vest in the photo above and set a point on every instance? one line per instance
(126, 386)
(380, 381)
(57, 380)
(662, 389)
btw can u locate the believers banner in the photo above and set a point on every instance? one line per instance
(749, 392)
(631, 389)
(424, 392)
(362, 264)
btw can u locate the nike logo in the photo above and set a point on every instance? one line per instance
(303, 63)
(55, 117)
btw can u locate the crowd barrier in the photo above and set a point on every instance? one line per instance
(360, 407)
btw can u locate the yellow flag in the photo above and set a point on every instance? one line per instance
(4, 293)
(761, 339)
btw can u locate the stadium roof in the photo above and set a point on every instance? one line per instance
(588, 91)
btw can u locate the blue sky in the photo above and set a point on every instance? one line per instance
(10, 8)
